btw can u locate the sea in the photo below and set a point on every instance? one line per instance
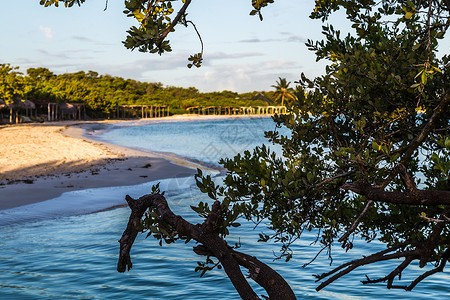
(67, 247)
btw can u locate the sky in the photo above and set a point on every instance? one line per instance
(241, 53)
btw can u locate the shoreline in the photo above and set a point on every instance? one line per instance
(115, 165)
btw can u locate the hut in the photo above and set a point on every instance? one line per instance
(29, 107)
(262, 97)
(65, 111)
(17, 107)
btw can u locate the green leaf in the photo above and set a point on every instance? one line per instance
(416, 46)
(375, 146)
(435, 158)
(424, 78)
(447, 143)
(408, 15)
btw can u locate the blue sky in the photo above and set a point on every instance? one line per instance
(241, 53)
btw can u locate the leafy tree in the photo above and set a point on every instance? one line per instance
(11, 83)
(39, 73)
(367, 154)
(282, 91)
(368, 149)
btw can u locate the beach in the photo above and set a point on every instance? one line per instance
(41, 161)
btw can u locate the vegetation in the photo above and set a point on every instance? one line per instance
(282, 91)
(367, 155)
(102, 93)
(10, 83)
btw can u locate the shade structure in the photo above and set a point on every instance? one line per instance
(20, 103)
(28, 104)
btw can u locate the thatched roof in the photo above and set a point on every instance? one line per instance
(260, 96)
(29, 104)
(19, 103)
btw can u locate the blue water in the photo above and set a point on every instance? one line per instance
(205, 140)
(61, 249)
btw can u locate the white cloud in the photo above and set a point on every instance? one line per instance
(47, 31)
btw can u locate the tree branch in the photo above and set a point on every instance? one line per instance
(357, 221)
(439, 110)
(180, 13)
(440, 268)
(211, 244)
(266, 277)
(417, 197)
(390, 278)
(424, 250)
(377, 257)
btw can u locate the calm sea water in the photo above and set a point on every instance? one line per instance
(62, 248)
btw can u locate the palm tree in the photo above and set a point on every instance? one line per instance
(283, 91)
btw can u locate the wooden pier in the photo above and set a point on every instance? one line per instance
(141, 111)
(237, 110)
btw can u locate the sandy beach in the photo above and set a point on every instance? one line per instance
(41, 161)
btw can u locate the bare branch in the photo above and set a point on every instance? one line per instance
(357, 221)
(392, 275)
(417, 197)
(198, 34)
(445, 219)
(440, 268)
(377, 257)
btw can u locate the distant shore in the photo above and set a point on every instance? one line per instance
(40, 161)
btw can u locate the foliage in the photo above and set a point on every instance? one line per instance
(367, 150)
(283, 91)
(102, 93)
(367, 147)
(10, 83)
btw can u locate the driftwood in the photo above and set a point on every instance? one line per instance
(211, 244)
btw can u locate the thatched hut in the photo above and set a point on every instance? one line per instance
(19, 105)
(262, 97)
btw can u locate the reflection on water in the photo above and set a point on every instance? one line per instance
(206, 140)
(54, 250)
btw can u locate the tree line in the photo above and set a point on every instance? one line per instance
(102, 93)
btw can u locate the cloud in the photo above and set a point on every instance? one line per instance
(254, 40)
(84, 39)
(223, 55)
(238, 77)
(296, 38)
(289, 37)
(47, 31)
